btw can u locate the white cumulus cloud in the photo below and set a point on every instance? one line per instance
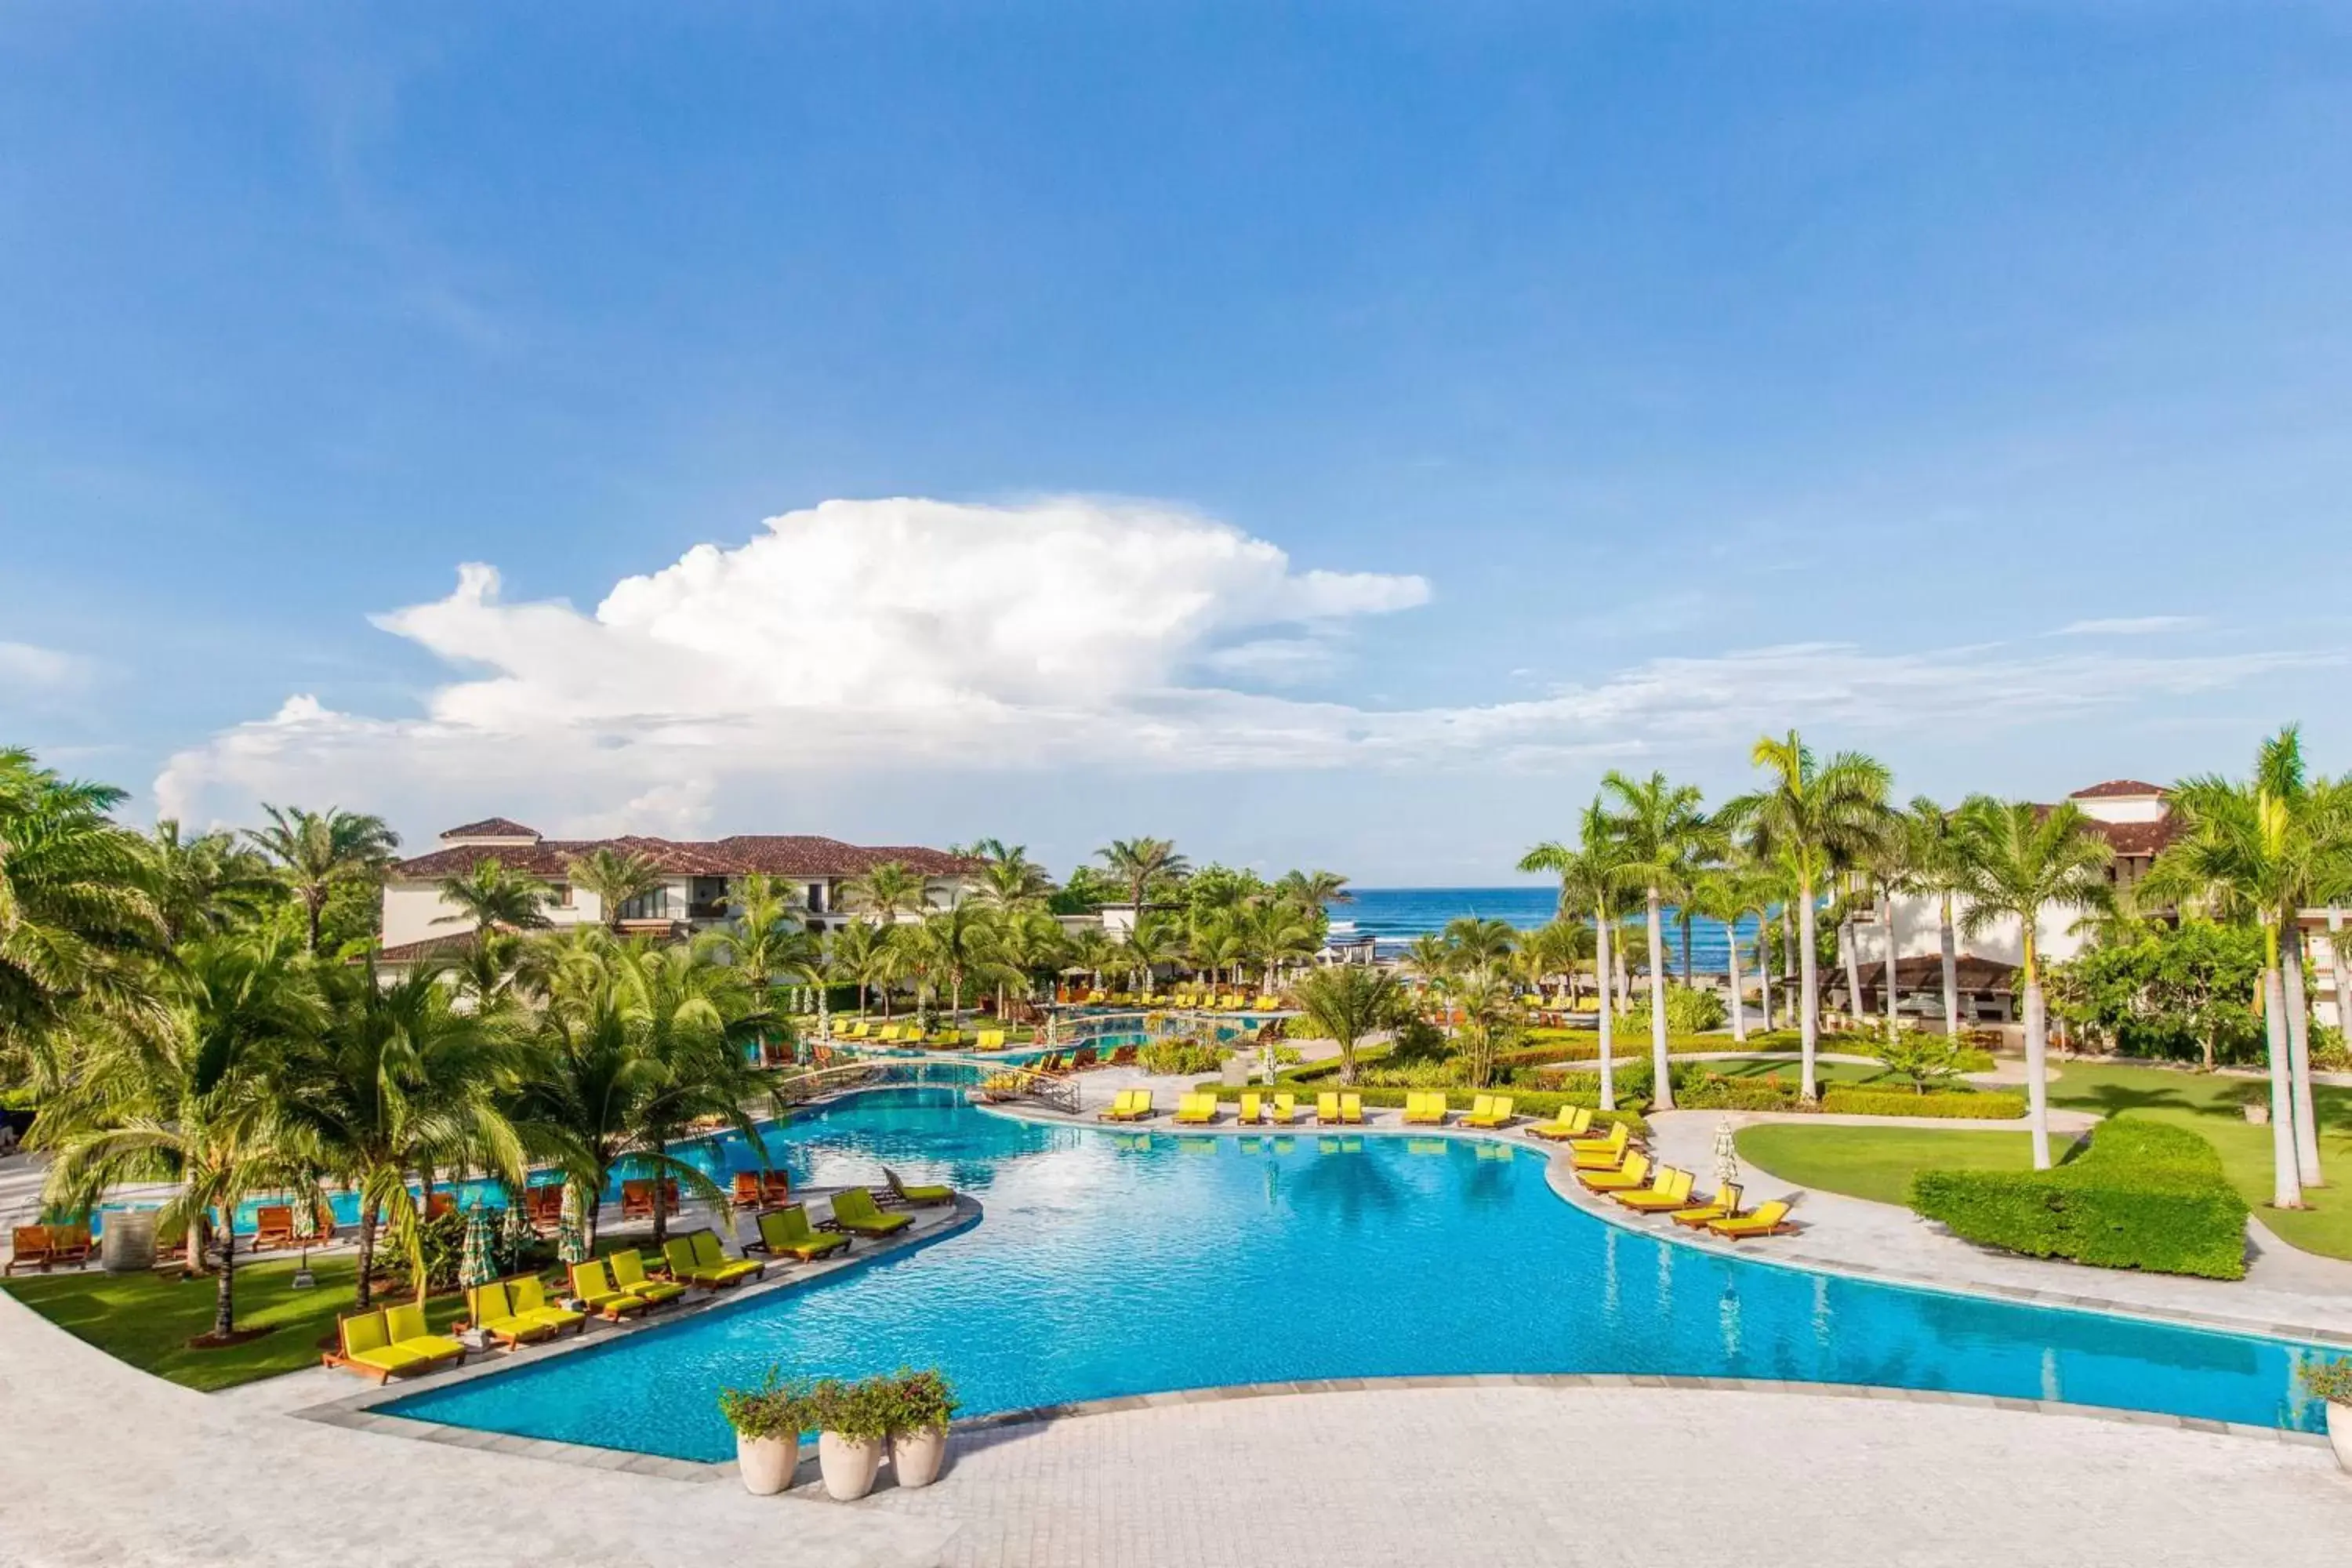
(31, 668)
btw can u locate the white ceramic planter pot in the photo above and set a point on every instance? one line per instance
(2340, 1432)
(2260, 1115)
(915, 1457)
(847, 1464)
(766, 1463)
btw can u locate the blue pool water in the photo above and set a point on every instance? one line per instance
(1111, 1263)
(1395, 916)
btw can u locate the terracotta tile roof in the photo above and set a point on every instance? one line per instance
(492, 827)
(1925, 973)
(776, 854)
(431, 947)
(2116, 787)
(2136, 839)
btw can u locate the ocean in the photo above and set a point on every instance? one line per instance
(1395, 916)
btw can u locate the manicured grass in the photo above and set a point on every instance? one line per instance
(1788, 1070)
(1876, 1163)
(147, 1319)
(2203, 1102)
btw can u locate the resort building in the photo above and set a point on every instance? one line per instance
(696, 875)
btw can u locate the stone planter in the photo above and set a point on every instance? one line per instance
(916, 1456)
(2340, 1432)
(766, 1463)
(2257, 1112)
(847, 1464)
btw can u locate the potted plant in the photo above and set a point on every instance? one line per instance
(853, 1420)
(2332, 1381)
(922, 1404)
(767, 1422)
(2253, 1099)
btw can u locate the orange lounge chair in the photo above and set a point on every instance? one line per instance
(29, 1249)
(70, 1244)
(637, 1200)
(747, 1190)
(273, 1225)
(775, 1188)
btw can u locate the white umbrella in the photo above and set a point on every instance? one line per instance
(1726, 1155)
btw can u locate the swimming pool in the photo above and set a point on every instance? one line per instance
(1112, 1263)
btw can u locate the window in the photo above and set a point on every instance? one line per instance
(559, 895)
(653, 906)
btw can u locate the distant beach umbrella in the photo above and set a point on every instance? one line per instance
(515, 1231)
(477, 1265)
(1726, 1155)
(571, 1238)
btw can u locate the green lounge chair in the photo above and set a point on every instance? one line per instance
(367, 1349)
(591, 1282)
(786, 1231)
(406, 1326)
(687, 1261)
(491, 1312)
(709, 1254)
(629, 1273)
(922, 1196)
(529, 1298)
(854, 1210)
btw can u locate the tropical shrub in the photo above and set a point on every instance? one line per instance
(2143, 1195)
(1169, 1058)
(1957, 1103)
(774, 1409)
(1925, 1058)
(1451, 1074)
(1689, 1011)
(861, 1411)
(2328, 1380)
(921, 1402)
(2182, 994)
(2328, 1051)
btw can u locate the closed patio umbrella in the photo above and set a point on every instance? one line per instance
(1726, 1155)
(570, 1239)
(476, 1266)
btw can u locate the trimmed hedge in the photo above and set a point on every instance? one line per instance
(1991, 1106)
(1524, 1104)
(2143, 1195)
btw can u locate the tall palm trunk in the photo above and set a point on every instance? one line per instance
(2286, 1183)
(1894, 947)
(1763, 970)
(364, 1294)
(1853, 967)
(1809, 994)
(2037, 1087)
(2298, 1048)
(1601, 974)
(224, 1282)
(1948, 939)
(1662, 1091)
(1738, 1003)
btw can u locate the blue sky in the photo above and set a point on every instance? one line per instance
(1324, 433)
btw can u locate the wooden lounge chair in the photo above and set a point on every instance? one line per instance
(405, 1323)
(1196, 1110)
(775, 1189)
(922, 1194)
(491, 1312)
(690, 1263)
(528, 1298)
(1633, 1176)
(1424, 1110)
(1601, 1153)
(637, 1200)
(1253, 1109)
(854, 1210)
(29, 1249)
(1082, 1058)
(1573, 1122)
(1490, 1112)
(1327, 1110)
(746, 1195)
(787, 1232)
(1124, 1056)
(708, 1255)
(1725, 1205)
(1351, 1110)
(273, 1225)
(70, 1244)
(1769, 1219)
(376, 1345)
(1286, 1109)
(591, 1283)
(440, 1203)
(629, 1273)
(1669, 1191)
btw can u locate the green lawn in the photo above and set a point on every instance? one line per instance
(1875, 1163)
(147, 1319)
(2203, 1102)
(1788, 1070)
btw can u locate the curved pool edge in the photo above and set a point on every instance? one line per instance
(1559, 1176)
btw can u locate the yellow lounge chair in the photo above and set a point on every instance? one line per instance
(491, 1312)
(1351, 1110)
(922, 1196)
(989, 1040)
(1286, 1109)
(1489, 1111)
(1601, 1153)
(1327, 1110)
(407, 1328)
(1668, 1193)
(854, 1210)
(1131, 1105)
(1725, 1205)
(1196, 1110)
(529, 1298)
(629, 1273)
(1769, 1219)
(786, 1231)
(1633, 1177)
(1253, 1109)
(1424, 1111)
(591, 1282)
(1573, 1122)
(686, 1265)
(366, 1348)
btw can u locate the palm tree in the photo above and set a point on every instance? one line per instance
(2019, 862)
(852, 957)
(1485, 999)
(1094, 952)
(490, 897)
(1009, 879)
(1556, 948)
(960, 941)
(206, 884)
(1314, 890)
(691, 1016)
(397, 1080)
(1219, 943)
(315, 852)
(1032, 943)
(2320, 827)
(1275, 931)
(616, 878)
(1480, 943)
(1659, 832)
(189, 1097)
(1726, 894)
(1591, 881)
(1933, 854)
(1152, 944)
(1430, 957)
(1810, 819)
(1888, 864)
(770, 941)
(1138, 862)
(79, 926)
(491, 974)
(1345, 1002)
(884, 892)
